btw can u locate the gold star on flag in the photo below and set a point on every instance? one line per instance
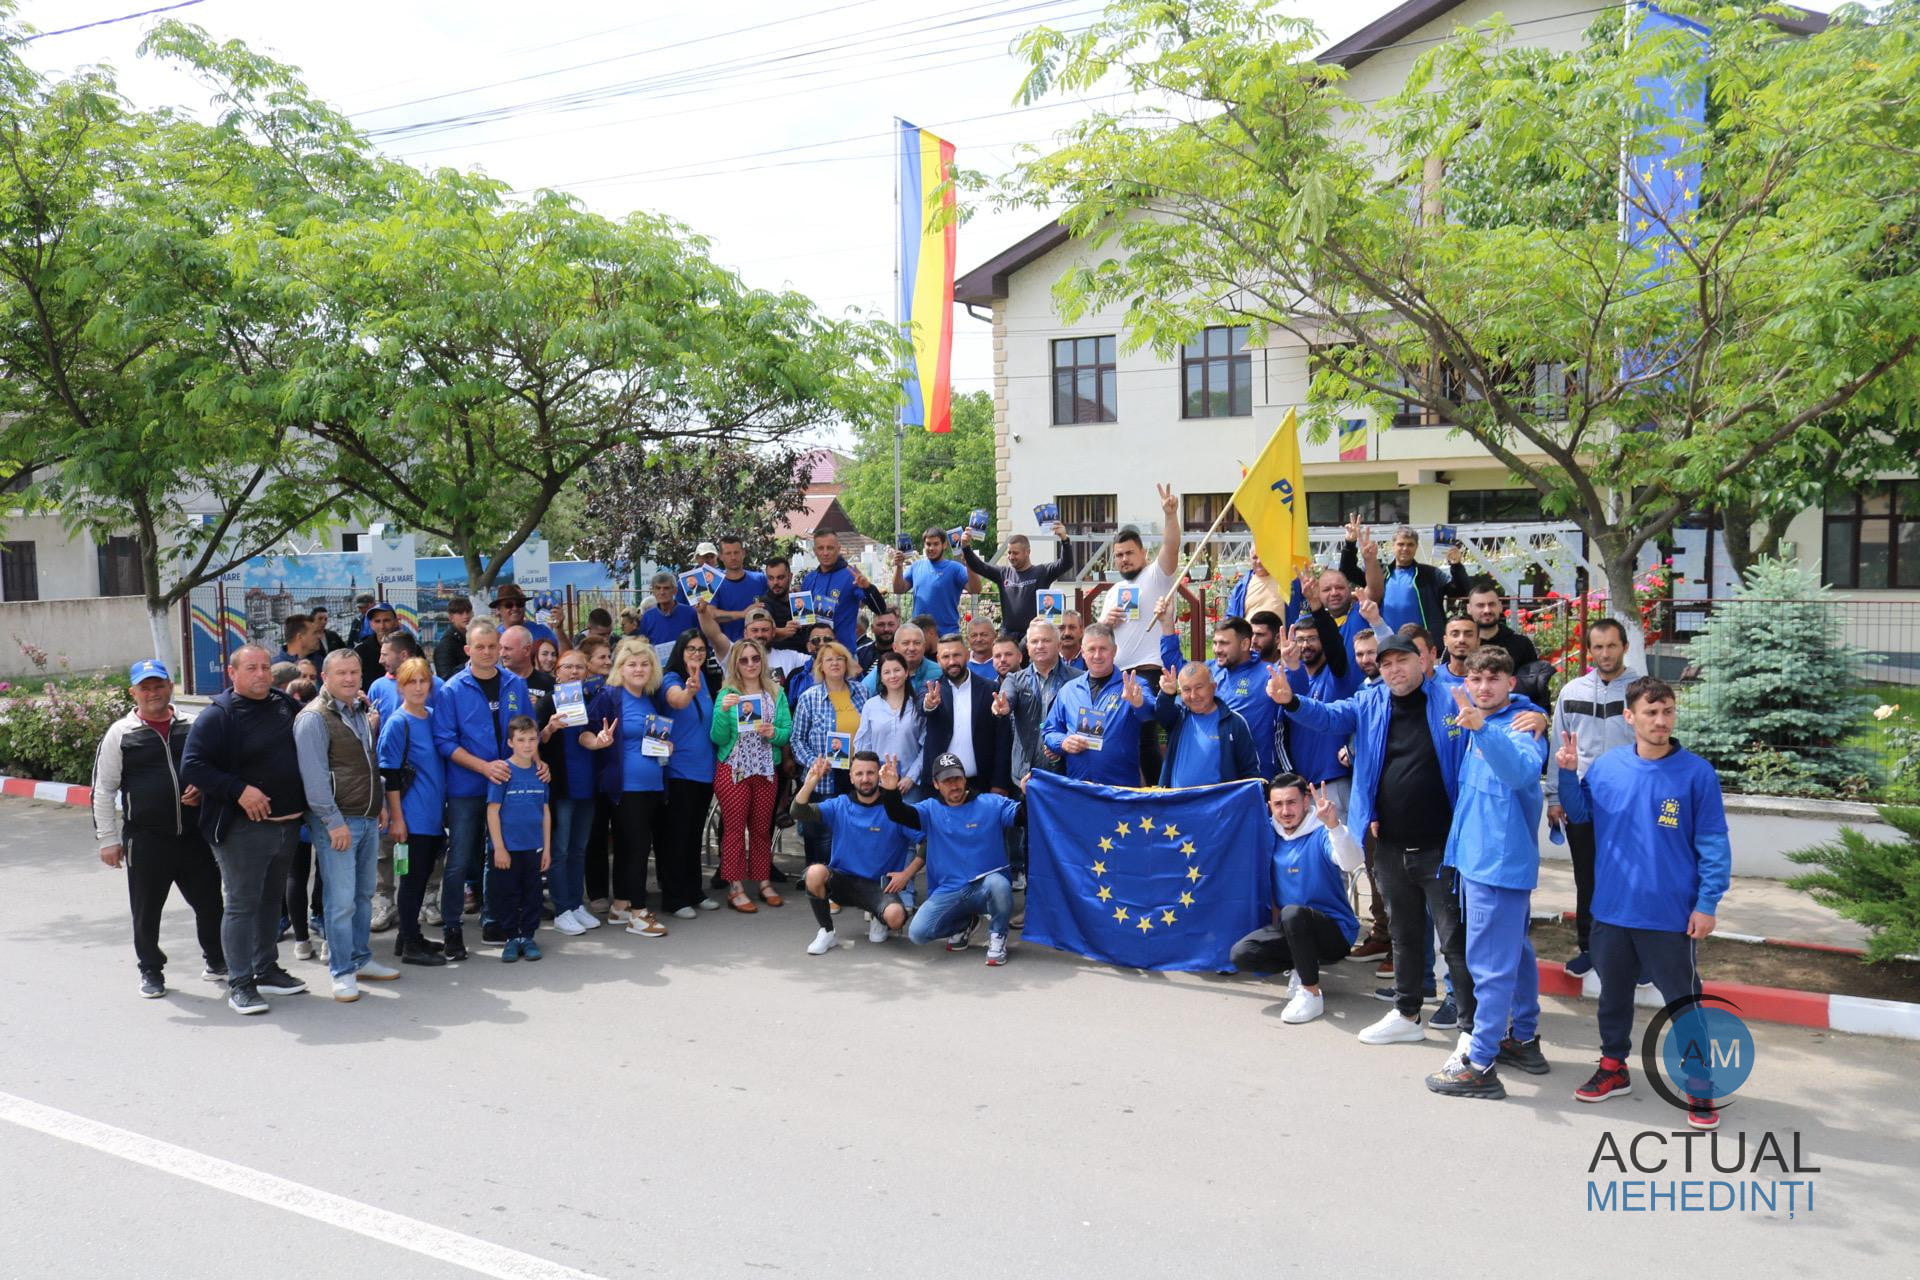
(1166, 917)
(1186, 847)
(1145, 925)
(1193, 873)
(1186, 899)
(1106, 845)
(1123, 830)
(1119, 913)
(1105, 893)
(1169, 831)
(1146, 824)
(1099, 868)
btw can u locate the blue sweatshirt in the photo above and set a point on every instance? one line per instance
(1495, 837)
(1660, 848)
(1244, 688)
(964, 841)
(462, 719)
(866, 842)
(1314, 755)
(1308, 871)
(1117, 763)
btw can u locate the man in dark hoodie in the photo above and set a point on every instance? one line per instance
(240, 754)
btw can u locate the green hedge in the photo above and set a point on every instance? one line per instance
(52, 736)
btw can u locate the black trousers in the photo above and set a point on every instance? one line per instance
(636, 830)
(1302, 941)
(678, 855)
(423, 855)
(1580, 849)
(1415, 883)
(156, 862)
(1150, 749)
(599, 884)
(299, 907)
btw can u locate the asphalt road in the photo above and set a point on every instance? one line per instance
(718, 1103)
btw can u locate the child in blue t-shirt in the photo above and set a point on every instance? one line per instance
(521, 827)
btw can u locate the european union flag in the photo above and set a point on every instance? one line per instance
(1147, 879)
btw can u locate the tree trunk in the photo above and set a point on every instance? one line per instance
(1736, 528)
(1620, 567)
(159, 608)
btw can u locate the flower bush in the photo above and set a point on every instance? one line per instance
(53, 736)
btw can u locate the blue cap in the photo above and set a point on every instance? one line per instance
(147, 669)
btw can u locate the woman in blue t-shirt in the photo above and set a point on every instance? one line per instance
(417, 817)
(571, 802)
(630, 776)
(688, 689)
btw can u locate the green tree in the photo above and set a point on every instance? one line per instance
(1778, 692)
(659, 503)
(1873, 882)
(141, 346)
(943, 476)
(1630, 379)
(479, 353)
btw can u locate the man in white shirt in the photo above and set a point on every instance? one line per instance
(1136, 636)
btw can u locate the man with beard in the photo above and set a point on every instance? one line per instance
(1490, 617)
(870, 859)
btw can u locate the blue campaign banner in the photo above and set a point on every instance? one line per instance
(1146, 878)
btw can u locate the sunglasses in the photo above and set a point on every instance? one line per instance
(747, 658)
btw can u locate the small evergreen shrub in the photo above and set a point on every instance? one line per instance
(1872, 882)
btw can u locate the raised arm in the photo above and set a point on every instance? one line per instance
(1169, 529)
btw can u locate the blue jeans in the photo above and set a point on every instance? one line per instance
(466, 857)
(1506, 977)
(949, 910)
(567, 874)
(347, 878)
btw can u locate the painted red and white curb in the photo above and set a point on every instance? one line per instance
(1858, 1015)
(56, 792)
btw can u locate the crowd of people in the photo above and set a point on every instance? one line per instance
(348, 785)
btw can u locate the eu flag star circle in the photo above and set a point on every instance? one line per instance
(1130, 842)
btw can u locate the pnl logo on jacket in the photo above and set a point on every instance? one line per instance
(1670, 812)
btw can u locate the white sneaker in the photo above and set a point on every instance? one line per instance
(823, 942)
(1293, 982)
(877, 930)
(619, 915)
(1304, 1007)
(303, 949)
(1394, 1029)
(564, 921)
(708, 904)
(685, 913)
(996, 949)
(374, 971)
(586, 919)
(346, 989)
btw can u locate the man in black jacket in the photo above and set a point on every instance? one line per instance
(240, 754)
(146, 821)
(381, 622)
(960, 720)
(1484, 607)
(450, 654)
(1412, 592)
(1022, 581)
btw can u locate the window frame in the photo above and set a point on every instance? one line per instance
(1234, 359)
(1087, 536)
(1105, 370)
(1902, 508)
(118, 549)
(19, 564)
(1366, 502)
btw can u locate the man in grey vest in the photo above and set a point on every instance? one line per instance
(336, 736)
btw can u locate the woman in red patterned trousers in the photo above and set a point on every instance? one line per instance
(751, 724)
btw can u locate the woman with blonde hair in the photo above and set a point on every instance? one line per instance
(830, 704)
(631, 774)
(750, 725)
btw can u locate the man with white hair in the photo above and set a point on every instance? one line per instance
(1207, 740)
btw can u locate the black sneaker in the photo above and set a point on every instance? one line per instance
(1524, 1054)
(278, 982)
(416, 951)
(718, 882)
(777, 876)
(456, 947)
(1446, 1017)
(494, 935)
(244, 999)
(1461, 1079)
(152, 985)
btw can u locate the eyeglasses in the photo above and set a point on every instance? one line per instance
(747, 658)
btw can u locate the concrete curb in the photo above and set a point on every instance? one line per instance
(1856, 1015)
(57, 792)
(1567, 917)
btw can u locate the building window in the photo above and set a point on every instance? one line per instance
(119, 567)
(1090, 520)
(1084, 388)
(1377, 507)
(1493, 506)
(1216, 374)
(1873, 538)
(1198, 511)
(350, 541)
(19, 571)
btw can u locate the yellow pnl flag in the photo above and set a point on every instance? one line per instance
(1272, 500)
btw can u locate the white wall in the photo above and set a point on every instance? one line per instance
(68, 564)
(93, 635)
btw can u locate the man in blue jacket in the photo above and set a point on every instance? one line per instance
(1494, 849)
(1207, 740)
(1413, 592)
(839, 590)
(1660, 867)
(1239, 679)
(1095, 722)
(1407, 750)
(470, 717)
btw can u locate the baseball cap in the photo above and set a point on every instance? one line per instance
(1397, 644)
(381, 606)
(147, 669)
(706, 549)
(948, 766)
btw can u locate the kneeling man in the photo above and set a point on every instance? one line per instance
(1313, 922)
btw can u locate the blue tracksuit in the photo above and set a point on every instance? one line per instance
(462, 719)
(1315, 756)
(1244, 688)
(1364, 717)
(1117, 763)
(1494, 846)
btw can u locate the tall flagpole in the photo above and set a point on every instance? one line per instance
(899, 253)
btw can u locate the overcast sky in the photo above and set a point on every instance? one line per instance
(763, 125)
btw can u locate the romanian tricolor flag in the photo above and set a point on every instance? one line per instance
(1272, 500)
(926, 276)
(1353, 440)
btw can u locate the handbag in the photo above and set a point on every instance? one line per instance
(400, 776)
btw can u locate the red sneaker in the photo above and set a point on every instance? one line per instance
(1701, 1113)
(1610, 1081)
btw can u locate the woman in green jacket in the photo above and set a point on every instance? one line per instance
(751, 724)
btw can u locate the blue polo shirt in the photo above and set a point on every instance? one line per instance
(964, 841)
(692, 759)
(937, 585)
(1196, 763)
(663, 626)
